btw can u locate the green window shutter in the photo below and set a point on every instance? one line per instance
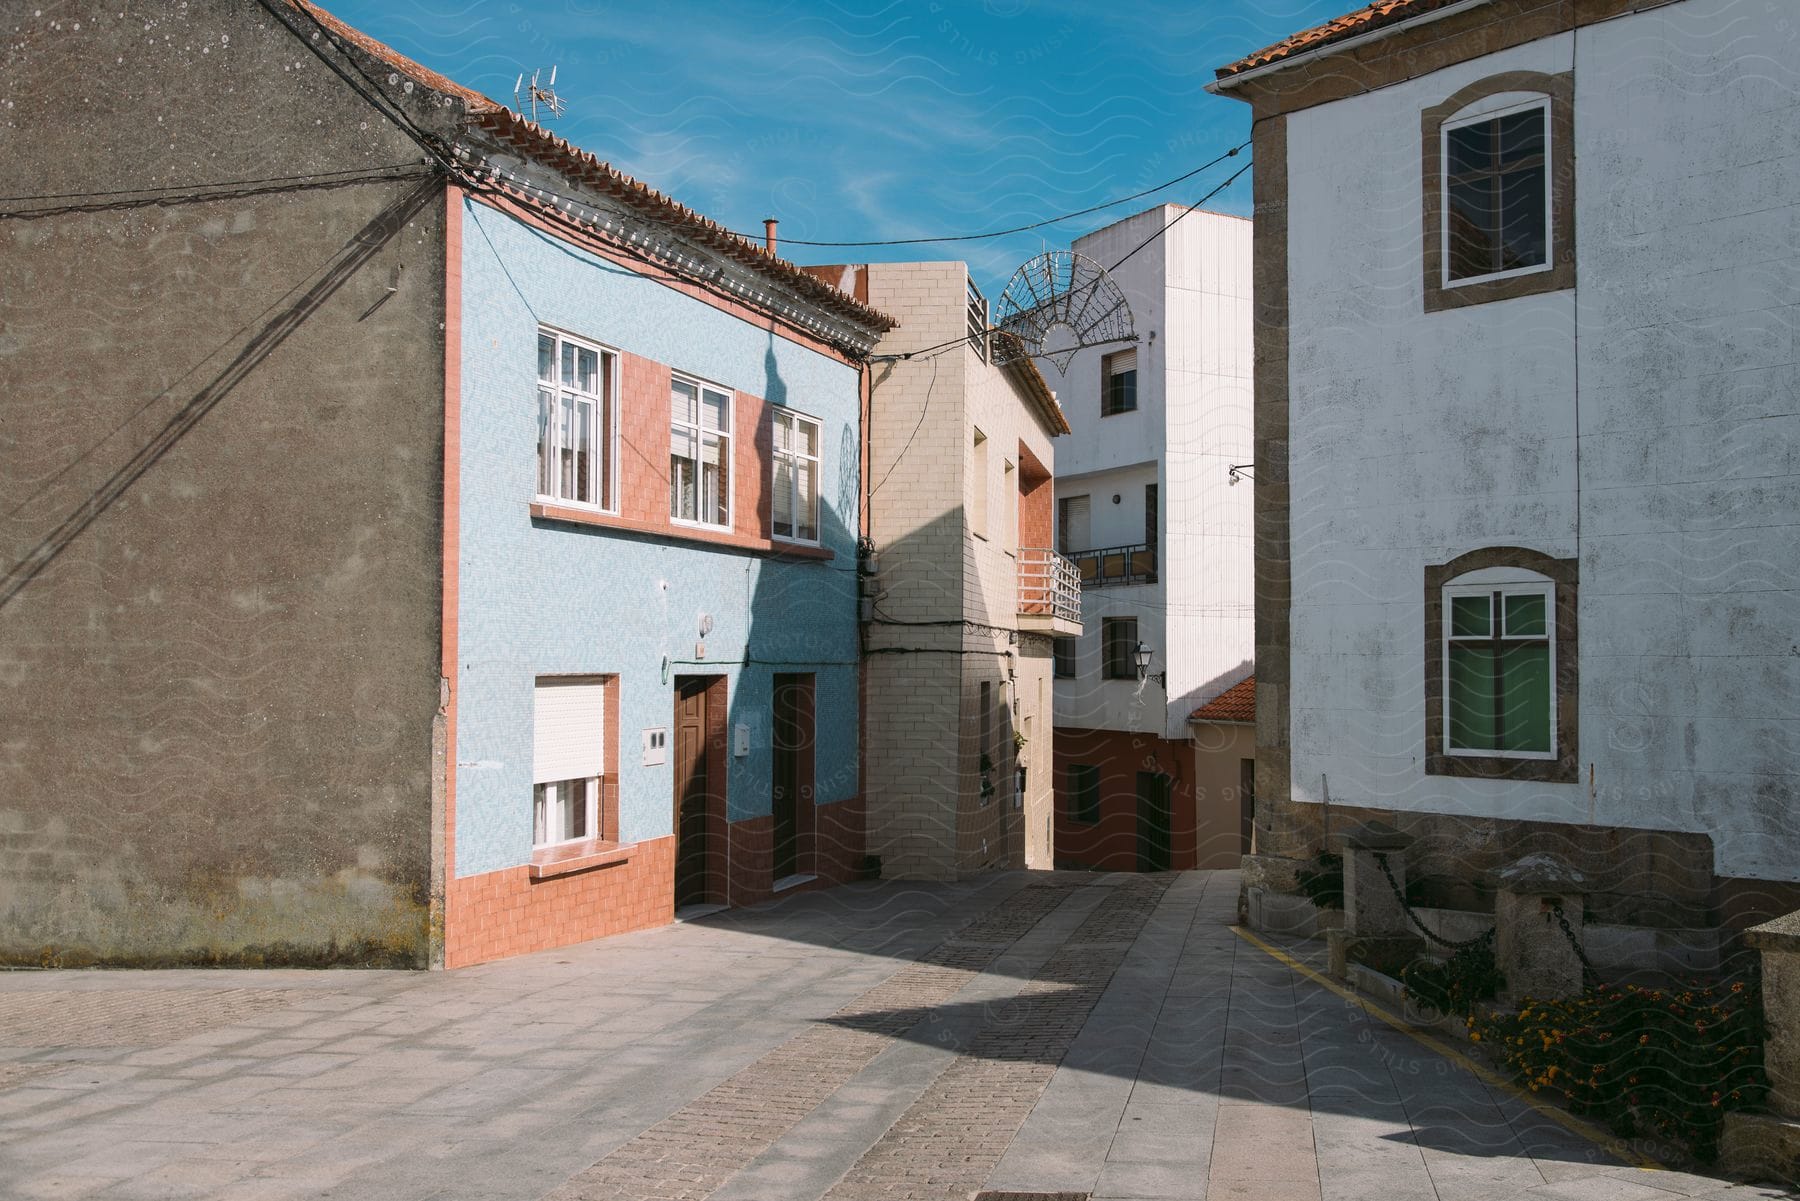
(1471, 692)
(1525, 693)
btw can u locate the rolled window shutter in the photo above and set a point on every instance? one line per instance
(1121, 362)
(568, 730)
(1075, 524)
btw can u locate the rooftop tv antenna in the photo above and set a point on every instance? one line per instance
(539, 96)
(1060, 289)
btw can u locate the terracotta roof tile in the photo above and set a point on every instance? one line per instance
(538, 142)
(533, 139)
(1236, 703)
(393, 58)
(1363, 20)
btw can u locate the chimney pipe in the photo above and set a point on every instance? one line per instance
(769, 234)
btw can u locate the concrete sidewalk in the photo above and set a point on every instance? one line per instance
(1104, 1036)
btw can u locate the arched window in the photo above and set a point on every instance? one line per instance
(1499, 190)
(1500, 676)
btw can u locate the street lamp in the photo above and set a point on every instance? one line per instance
(1142, 657)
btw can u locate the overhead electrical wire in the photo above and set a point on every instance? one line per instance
(1190, 208)
(120, 193)
(1019, 229)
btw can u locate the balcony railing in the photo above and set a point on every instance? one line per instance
(1049, 586)
(1116, 565)
(978, 321)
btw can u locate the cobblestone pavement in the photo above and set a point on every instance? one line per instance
(1022, 1035)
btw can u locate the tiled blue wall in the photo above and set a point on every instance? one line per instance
(548, 599)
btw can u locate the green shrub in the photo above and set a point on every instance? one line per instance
(1455, 985)
(1669, 1063)
(1323, 880)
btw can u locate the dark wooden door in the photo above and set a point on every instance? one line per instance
(785, 784)
(1247, 800)
(691, 792)
(1153, 821)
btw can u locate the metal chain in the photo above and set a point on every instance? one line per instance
(1441, 941)
(1587, 965)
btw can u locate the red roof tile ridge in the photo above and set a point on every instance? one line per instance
(525, 132)
(1236, 703)
(1364, 20)
(414, 71)
(502, 119)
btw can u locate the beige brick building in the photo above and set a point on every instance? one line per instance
(966, 593)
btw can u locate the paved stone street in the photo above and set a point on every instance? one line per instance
(1044, 1034)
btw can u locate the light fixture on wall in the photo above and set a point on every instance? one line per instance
(1142, 658)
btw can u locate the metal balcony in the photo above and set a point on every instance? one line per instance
(1111, 565)
(1049, 593)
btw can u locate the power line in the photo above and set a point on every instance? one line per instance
(1019, 229)
(373, 94)
(177, 194)
(193, 187)
(1190, 208)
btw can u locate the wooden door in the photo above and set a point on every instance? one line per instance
(785, 782)
(1153, 821)
(1247, 803)
(691, 791)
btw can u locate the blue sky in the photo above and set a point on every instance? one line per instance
(876, 118)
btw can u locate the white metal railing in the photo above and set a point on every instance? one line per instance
(978, 321)
(1049, 585)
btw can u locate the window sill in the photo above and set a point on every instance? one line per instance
(550, 862)
(1559, 770)
(566, 514)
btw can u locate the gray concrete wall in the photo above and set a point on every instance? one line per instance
(217, 696)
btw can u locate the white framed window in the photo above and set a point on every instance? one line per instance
(577, 432)
(794, 493)
(1496, 201)
(1500, 666)
(568, 738)
(699, 453)
(1118, 383)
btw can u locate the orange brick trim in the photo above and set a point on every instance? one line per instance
(497, 914)
(679, 533)
(443, 832)
(579, 857)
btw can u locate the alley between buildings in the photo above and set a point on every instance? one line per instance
(1021, 1034)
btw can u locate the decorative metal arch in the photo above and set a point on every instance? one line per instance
(1062, 288)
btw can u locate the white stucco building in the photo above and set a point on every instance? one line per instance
(1147, 509)
(1525, 440)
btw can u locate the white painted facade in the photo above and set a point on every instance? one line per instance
(1643, 423)
(1189, 292)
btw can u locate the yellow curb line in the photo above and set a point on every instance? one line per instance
(1606, 1142)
